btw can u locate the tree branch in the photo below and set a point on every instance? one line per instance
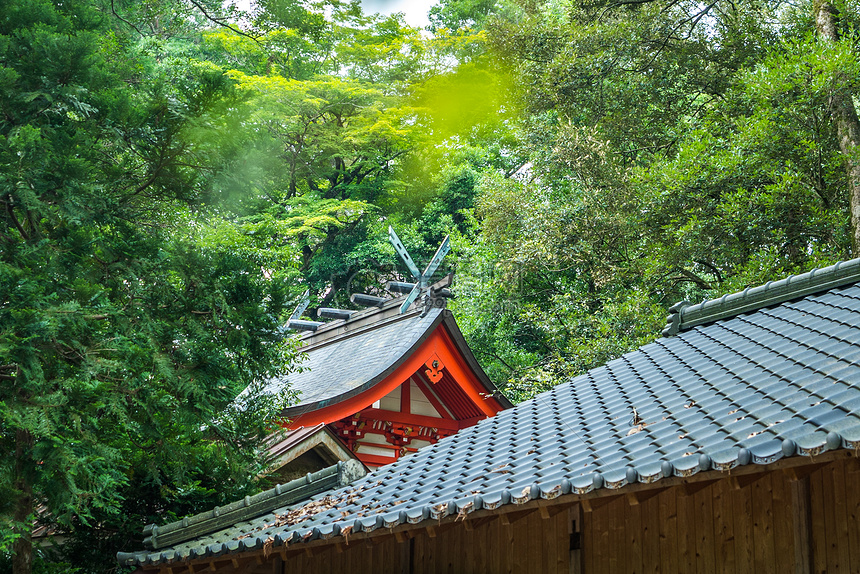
(221, 22)
(495, 356)
(11, 211)
(713, 269)
(688, 276)
(113, 10)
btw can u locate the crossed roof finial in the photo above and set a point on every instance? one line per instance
(423, 279)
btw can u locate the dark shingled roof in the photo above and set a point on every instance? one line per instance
(348, 357)
(767, 382)
(356, 360)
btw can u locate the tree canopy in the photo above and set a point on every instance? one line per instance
(174, 174)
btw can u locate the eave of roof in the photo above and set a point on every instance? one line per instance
(379, 373)
(779, 382)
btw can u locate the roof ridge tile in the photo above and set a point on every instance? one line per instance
(684, 315)
(338, 475)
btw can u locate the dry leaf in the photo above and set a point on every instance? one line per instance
(461, 515)
(345, 533)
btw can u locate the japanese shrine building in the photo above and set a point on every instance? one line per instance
(729, 444)
(379, 384)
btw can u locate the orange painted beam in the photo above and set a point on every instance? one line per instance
(410, 419)
(455, 365)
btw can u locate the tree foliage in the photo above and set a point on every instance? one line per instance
(677, 150)
(127, 326)
(173, 174)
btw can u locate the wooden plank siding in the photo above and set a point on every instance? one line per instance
(758, 525)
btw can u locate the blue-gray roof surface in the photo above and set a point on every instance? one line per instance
(751, 389)
(349, 363)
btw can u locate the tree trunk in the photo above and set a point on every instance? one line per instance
(22, 548)
(847, 124)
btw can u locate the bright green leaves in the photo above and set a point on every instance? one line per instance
(456, 14)
(336, 137)
(543, 294)
(310, 221)
(759, 188)
(306, 18)
(802, 71)
(313, 232)
(382, 51)
(674, 150)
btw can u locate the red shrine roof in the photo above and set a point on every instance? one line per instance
(385, 384)
(350, 364)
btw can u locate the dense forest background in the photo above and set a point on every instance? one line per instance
(175, 173)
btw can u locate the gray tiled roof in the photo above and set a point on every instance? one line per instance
(301, 489)
(355, 361)
(775, 382)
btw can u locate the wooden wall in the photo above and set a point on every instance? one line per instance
(778, 522)
(773, 523)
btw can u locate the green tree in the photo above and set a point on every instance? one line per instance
(127, 327)
(677, 150)
(841, 94)
(457, 14)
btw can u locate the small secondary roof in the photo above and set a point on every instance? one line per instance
(179, 532)
(352, 356)
(761, 383)
(356, 360)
